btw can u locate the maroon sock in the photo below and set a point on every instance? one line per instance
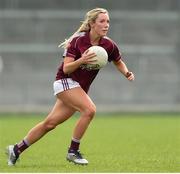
(74, 145)
(21, 146)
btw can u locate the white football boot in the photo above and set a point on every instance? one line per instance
(12, 158)
(76, 157)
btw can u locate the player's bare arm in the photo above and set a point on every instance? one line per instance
(70, 65)
(121, 66)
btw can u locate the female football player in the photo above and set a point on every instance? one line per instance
(72, 83)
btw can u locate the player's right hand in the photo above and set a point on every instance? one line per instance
(87, 57)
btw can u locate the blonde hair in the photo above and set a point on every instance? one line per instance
(91, 16)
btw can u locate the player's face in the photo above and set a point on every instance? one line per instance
(101, 25)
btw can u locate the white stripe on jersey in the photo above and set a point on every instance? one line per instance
(79, 34)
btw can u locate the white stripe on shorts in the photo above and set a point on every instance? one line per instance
(64, 84)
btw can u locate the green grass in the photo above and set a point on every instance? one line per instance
(145, 142)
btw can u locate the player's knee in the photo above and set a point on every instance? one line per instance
(48, 126)
(90, 112)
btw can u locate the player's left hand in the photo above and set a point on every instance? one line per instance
(130, 76)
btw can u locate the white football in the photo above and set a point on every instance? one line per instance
(101, 57)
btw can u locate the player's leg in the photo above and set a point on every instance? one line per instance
(59, 114)
(79, 100)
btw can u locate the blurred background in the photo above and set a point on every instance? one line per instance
(148, 35)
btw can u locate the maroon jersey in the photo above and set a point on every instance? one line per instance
(79, 44)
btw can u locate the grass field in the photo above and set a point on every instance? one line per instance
(145, 142)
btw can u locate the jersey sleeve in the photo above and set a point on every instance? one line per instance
(71, 51)
(115, 54)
